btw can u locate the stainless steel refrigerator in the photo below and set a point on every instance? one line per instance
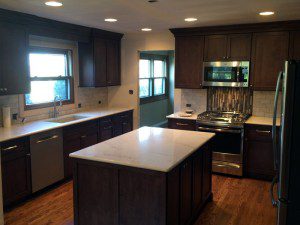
(286, 145)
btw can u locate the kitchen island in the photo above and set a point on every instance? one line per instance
(150, 176)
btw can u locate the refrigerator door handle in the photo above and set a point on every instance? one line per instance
(274, 181)
(274, 135)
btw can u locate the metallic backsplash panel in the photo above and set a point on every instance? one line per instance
(229, 99)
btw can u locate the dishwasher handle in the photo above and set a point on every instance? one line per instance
(219, 130)
(47, 139)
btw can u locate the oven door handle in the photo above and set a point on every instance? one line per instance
(219, 130)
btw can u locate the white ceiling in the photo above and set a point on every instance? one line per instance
(132, 15)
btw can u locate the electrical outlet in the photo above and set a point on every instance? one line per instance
(131, 92)
(79, 105)
(99, 102)
(188, 105)
(15, 116)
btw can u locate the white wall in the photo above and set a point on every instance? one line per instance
(131, 45)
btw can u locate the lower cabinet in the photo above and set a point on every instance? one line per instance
(182, 124)
(77, 137)
(259, 157)
(16, 175)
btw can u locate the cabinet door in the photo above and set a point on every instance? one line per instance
(14, 67)
(295, 45)
(197, 180)
(113, 63)
(215, 48)
(207, 172)
(186, 192)
(100, 62)
(71, 144)
(89, 139)
(269, 53)
(239, 47)
(106, 129)
(86, 64)
(189, 62)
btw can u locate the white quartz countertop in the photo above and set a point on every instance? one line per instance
(158, 149)
(267, 121)
(21, 130)
(177, 116)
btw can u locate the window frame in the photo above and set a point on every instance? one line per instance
(70, 77)
(154, 98)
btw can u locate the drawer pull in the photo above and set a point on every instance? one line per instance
(83, 136)
(263, 131)
(10, 148)
(125, 116)
(47, 139)
(107, 128)
(182, 124)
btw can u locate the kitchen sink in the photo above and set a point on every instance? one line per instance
(66, 119)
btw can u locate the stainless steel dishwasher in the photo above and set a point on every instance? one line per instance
(46, 159)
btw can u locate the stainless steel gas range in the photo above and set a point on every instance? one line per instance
(228, 145)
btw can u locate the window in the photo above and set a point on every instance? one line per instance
(50, 76)
(152, 77)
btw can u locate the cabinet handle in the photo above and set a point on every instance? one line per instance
(28, 154)
(83, 136)
(10, 148)
(47, 139)
(124, 116)
(107, 128)
(182, 124)
(263, 131)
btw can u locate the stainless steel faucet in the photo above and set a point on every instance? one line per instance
(55, 111)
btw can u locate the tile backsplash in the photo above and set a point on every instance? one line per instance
(88, 97)
(197, 98)
(262, 101)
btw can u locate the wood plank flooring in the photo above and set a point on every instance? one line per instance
(236, 202)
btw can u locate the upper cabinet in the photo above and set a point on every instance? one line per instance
(269, 52)
(99, 61)
(227, 47)
(189, 62)
(295, 45)
(14, 68)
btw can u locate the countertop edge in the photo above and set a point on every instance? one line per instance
(61, 125)
(74, 156)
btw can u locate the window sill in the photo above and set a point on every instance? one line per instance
(153, 99)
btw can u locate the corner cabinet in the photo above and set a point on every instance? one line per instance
(270, 50)
(189, 62)
(14, 65)
(100, 60)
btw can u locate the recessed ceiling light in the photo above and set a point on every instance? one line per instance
(267, 13)
(53, 4)
(111, 20)
(190, 19)
(146, 29)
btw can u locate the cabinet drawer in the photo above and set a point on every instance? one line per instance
(258, 133)
(14, 148)
(80, 129)
(182, 124)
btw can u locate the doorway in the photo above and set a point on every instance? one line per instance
(156, 87)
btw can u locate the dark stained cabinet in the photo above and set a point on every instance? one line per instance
(106, 129)
(99, 61)
(16, 175)
(227, 47)
(186, 192)
(14, 67)
(77, 137)
(215, 48)
(197, 181)
(182, 124)
(259, 156)
(295, 45)
(269, 53)
(189, 62)
(207, 172)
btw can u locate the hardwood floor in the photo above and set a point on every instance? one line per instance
(236, 202)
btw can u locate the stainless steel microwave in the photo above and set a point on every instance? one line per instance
(226, 74)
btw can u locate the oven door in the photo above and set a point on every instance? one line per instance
(226, 74)
(227, 148)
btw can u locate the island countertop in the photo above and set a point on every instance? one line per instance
(150, 148)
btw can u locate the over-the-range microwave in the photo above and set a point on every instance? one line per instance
(226, 74)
